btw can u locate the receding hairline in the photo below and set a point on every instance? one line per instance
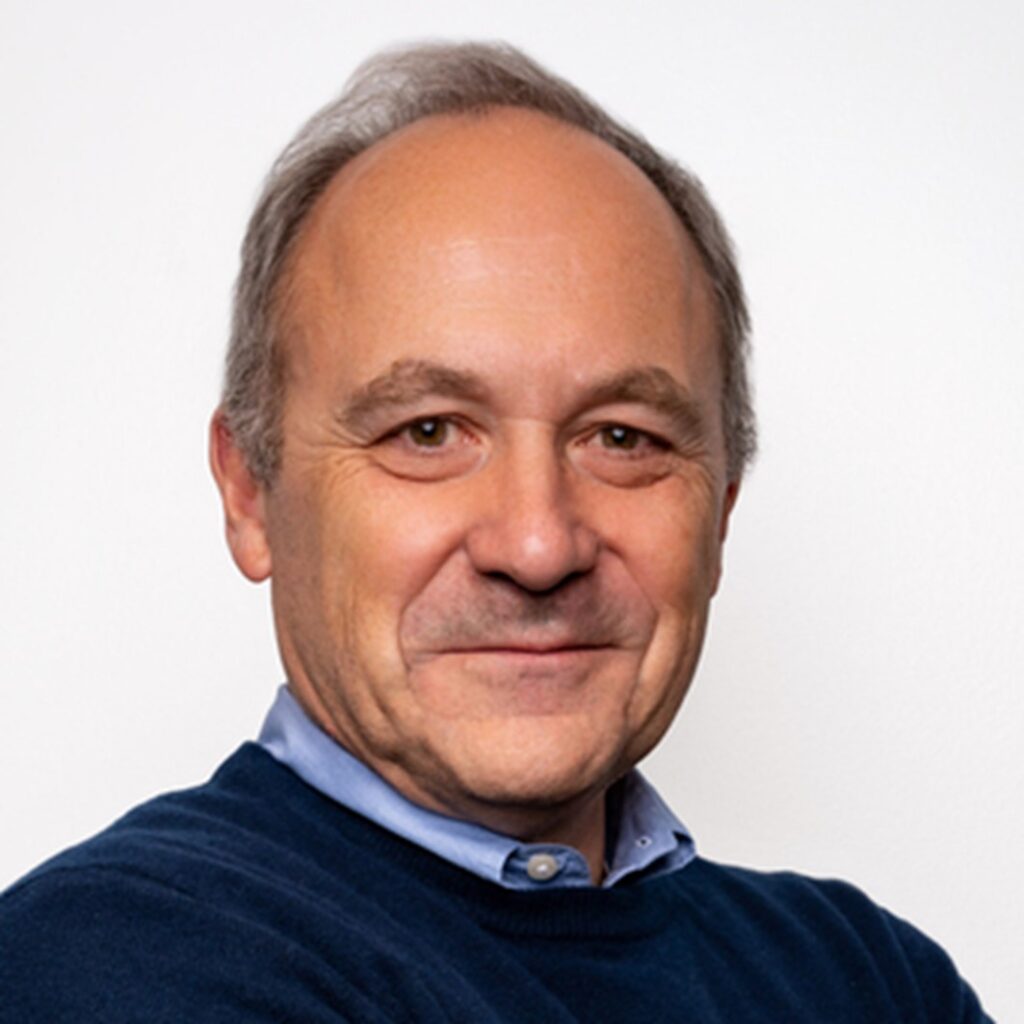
(436, 132)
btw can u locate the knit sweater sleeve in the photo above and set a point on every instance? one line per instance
(921, 973)
(942, 990)
(91, 944)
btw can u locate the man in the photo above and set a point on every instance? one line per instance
(484, 423)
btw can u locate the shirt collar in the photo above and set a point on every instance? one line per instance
(645, 836)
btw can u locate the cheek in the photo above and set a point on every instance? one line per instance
(382, 544)
(671, 552)
(669, 543)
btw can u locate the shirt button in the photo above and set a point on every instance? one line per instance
(541, 867)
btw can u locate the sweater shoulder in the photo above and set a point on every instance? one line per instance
(840, 920)
(229, 818)
(804, 897)
(252, 835)
(113, 943)
(166, 844)
(229, 885)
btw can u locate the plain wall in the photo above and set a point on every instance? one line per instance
(858, 711)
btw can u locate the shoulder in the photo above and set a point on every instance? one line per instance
(109, 943)
(171, 840)
(199, 905)
(830, 925)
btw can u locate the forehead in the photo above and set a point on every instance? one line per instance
(507, 230)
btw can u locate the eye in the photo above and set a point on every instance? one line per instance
(623, 455)
(430, 448)
(619, 437)
(429, 433)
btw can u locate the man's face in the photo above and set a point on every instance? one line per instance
(498, 521)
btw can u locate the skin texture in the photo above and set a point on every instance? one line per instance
(499, 519)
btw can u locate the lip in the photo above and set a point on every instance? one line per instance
(528, 650)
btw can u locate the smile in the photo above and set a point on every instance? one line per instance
(529, 650)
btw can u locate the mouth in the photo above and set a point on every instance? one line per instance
(528, 649)
(516, 677)
(551, 662)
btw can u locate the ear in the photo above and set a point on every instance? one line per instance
(244, 502)
(732, 492)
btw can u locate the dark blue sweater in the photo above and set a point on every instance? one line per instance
(255, 898)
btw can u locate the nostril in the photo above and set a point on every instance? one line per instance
(511, 582)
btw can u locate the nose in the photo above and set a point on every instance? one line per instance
(529, 529)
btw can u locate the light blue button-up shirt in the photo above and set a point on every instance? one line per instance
(648, 837)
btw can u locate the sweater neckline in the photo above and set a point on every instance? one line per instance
(627, 911)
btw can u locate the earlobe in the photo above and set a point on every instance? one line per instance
(732, 491)
(243, 498)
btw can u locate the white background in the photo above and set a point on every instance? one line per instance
(858, 711)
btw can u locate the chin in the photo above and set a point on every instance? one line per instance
(535, 765)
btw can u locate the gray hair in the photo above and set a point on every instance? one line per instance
(386, 93)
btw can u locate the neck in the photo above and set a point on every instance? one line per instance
(588, 836)
(581, 826)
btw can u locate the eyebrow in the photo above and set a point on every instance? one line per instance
(656, 388)
(407, 381)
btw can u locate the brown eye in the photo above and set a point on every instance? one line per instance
(621, 438)
(430, 433)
